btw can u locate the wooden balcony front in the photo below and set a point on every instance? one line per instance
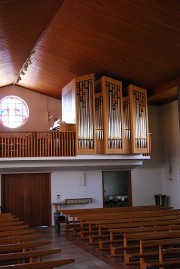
(43, 144)
(37, 144)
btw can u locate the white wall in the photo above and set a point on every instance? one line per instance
(147, 180)
(77, 185)
(40, 107)
(171, 153)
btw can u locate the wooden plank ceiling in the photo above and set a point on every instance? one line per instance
(46, 43)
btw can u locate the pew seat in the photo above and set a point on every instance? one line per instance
(29, 256)
(38, 265)
(5, 248)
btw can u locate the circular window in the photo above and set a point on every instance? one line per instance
(14, 111)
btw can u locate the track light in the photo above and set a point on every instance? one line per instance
(18, 79)
(29, 61)
(26, 66)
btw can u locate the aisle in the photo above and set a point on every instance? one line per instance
(85, 256)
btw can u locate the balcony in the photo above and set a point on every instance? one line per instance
(57, 151)
(37, 144)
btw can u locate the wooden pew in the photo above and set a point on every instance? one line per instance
(93, 226)
(13, 227)
(9, 219)
(93, 223)
(6, 215)
(10, 223)
(77, 213)
(111, 238)
(71, 212)
(164, 246)
(134, 230)
(138, 237)
(15, 247)
(171, 251)
(74, 212)
(19, 238)
(88, 222)
(29, 256)
(16, 232)
(37, 265)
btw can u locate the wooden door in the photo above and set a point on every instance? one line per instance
(28, 197)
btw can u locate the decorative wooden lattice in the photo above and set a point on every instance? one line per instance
(108, 115)
(79, 94)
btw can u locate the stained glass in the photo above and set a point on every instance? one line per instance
(14, 111)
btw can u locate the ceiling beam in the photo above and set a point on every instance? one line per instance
(166, 93)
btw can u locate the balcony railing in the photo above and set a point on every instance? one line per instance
(37, 144)
(44, 144)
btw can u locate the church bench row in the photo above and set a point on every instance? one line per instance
(19, 248)
(111, 237)
(132, 245)
(90, 227)
(5, 215)
(16, 232)
(74, 213)
(166, 253)
(168, 250)
(138, 238)
(37, 265)
(131, 248)
(13, 227)
(30, 255)
(85, 218)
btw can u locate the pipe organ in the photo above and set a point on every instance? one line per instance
(109, 119)
(78, 107)
(108, 115)
(135, 123)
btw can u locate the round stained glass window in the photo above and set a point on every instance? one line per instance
(14, 111)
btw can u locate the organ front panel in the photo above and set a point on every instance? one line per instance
(109, 116)
(138, 119)
(126, 126)
(85, 114)
(78, 107)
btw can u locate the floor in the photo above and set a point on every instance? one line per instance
(86, 257)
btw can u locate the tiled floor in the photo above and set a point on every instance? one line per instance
(85, 256)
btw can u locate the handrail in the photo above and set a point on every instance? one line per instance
(37, 144)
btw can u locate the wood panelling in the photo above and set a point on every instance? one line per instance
(27, 196)
(133, 41)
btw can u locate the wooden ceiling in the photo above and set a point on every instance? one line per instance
(46, 43)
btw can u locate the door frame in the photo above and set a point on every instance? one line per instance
(129, 186)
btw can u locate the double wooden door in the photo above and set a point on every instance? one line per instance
(27, 196)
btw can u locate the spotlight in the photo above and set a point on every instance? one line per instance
(29, 61)
(25, 66)
(18, 79)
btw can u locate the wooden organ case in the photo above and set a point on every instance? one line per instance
(78, 108)
(109, 119)
(121, 118)
(135, 124)
(108, 116)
